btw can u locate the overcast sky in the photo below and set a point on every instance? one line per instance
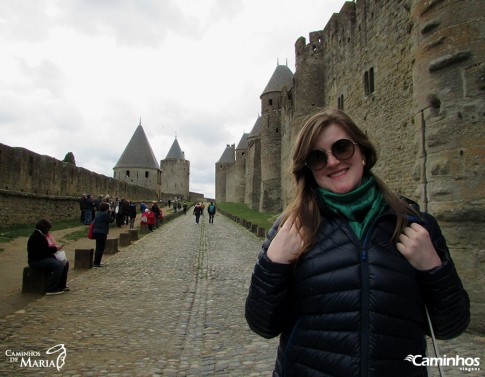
(77, 75)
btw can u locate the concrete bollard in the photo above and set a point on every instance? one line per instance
(125, 239)
(83, 258)
(111, 246)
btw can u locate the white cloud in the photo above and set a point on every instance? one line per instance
(77, 75)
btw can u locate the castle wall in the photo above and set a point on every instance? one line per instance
(449, 76)
(366, 39)
(33, 186)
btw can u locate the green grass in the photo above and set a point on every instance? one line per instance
(25, 230)
(264, 220)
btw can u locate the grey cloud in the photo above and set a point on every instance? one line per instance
(140, 23)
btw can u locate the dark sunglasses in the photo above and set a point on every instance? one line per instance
(342, 149)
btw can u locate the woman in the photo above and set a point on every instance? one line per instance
(100, 232)
(346, 272)
(151, 220)
(41, 256)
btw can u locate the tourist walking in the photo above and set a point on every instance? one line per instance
(211, 210)
(197, 212)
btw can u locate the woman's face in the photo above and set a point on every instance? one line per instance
(338, 176)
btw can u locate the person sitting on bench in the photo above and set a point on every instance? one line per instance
(41, 256)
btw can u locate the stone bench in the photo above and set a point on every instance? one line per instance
(83, 258)
(35, 280)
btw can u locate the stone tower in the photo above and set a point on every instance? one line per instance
(252, 177)
(240, 169)
(273, 103)
(175, 173)
(137, 164)
(225, 173)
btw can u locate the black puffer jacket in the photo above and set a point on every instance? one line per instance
(351, 308)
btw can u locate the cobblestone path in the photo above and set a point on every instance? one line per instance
(171, 304)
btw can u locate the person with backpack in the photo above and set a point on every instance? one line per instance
(212, 212)
(349, 273)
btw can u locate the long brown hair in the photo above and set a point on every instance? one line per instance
(304, 207)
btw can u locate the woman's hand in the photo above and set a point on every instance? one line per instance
(287, 245)
(416, 246)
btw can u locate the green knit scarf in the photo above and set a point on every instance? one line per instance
(360, 206)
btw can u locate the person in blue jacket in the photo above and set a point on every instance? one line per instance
(100, 232)
(347, 273)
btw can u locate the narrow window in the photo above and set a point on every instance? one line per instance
(270, 102)
(127, 173)
(341, 102)
(146, 174)
(371, 80)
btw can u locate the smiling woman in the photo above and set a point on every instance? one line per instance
(349, 260)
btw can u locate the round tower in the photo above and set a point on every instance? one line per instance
(223, 167)
(175, 173)
(137, 164)
(240, 169)
(273, 99)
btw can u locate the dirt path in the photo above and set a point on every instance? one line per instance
(13, 259)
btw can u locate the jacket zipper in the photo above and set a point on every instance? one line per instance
(364, 335)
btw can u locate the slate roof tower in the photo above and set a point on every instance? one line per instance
(175, 174)
(274, 100)
(137, 164)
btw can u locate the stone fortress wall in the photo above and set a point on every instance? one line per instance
(411, 74)
(34, 186)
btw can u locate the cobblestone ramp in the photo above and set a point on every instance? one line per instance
(172, 304)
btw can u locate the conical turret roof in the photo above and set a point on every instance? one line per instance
(175, 153)
(228, 155)
(243, 143)
(138, 153)
(282, 76)
(256, 131)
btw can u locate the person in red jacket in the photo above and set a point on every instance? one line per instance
(151, 220)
